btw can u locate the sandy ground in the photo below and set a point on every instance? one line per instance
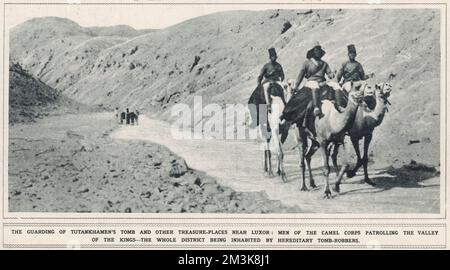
(69, 163)
(238, 164)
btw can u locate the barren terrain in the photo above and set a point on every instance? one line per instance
(63, 157)
(412, 188)
(153, 70)
(69, 163)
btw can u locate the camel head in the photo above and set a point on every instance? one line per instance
(356, 96)
(356, 93)
(289, 88)
(289, 84)
(369, 90)
(383, 90)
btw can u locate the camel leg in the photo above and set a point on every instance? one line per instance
(278, 152)
(269, 159)
(265, 161)
(297, 139)
(309, 154)
(278, 164)
(365, 159)
(280, 155)
(302, 144)
(281, 171)
(339, 177)
(352, 172)
(326, 169)
(334, 157)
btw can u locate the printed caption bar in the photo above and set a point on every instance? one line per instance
(370, 236)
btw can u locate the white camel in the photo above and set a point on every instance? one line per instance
(273, 134)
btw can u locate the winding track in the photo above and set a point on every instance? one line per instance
(238, 164)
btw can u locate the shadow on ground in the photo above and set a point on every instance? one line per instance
(407, 176)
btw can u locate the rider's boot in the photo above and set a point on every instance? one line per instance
(316, 102)
(308, 119)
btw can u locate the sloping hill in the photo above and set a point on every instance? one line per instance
(27, 96)
(119, 31)
(30, 98)
(155, 70)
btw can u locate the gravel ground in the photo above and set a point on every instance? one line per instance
(69, 163)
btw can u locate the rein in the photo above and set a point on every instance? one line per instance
(382, 89)
(386, 100)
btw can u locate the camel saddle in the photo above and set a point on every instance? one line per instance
(297, 109)
(257, 98)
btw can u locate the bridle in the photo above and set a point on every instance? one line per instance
(384, 97)
(351, 98)
(346, 94)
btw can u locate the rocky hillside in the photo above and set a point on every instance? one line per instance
(28, 96)
(218, 56)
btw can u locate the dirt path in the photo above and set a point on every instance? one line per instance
(69, 163)
(238, 164)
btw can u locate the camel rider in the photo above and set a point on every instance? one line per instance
(272, 72)
(351, 71)
(314, 70)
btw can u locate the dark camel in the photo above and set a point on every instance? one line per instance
(363, 127)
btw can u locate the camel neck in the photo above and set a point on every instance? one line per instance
(347, 116)
(380, 109)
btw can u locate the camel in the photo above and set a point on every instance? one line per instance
(331, 129)
(363, 127)
(330, 132)
(272, 133)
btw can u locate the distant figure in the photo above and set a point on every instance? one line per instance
(132, 117)
(122, 117)
(116, 113)
(137, 117)
(128, 116)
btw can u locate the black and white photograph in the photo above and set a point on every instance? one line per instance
(228, 109)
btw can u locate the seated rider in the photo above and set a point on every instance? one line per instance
(272, 72)
(314, 70)
(350, 71)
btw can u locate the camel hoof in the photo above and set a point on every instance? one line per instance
(350, 173)
(283, 177)
(327, 194)
(304, 188)
(370, 182)
(313, 185)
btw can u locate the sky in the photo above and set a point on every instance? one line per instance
(151, 15)
(137, 16)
